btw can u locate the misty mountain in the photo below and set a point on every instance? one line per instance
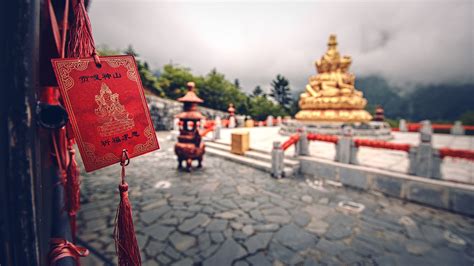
(435, 102)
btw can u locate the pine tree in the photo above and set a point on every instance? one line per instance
(281, 91)
(258, 91)
(131, 51)
(237, 83)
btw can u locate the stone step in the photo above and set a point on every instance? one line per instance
(255, 154)
(265, 166)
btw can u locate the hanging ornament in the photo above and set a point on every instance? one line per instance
(109, 119)
(126, 245)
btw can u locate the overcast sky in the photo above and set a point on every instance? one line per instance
(407, 42)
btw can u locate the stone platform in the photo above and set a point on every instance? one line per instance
(231, 214)
(457, 170)
(371, 130)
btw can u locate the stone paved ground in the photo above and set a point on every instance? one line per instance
(228, 214)
(452, 169)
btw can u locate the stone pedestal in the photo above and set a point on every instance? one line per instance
(371, 130)
(218, 121)
(343, 146)
(175, 132)
(240, 120)
(217, 132)
(424, 159)
(277, 160)
(278, 121)
(426, 162)
(302, 146)
(232, 122)
(457, 128)
(402, 125)
(269, 121)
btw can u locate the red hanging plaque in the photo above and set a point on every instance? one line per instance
(107, 108)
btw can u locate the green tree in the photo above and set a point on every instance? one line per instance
(467, 118)
(173, 80)
(281, 91)
(149, 80)
(237, 84)
(258, 91)
(261, 108)
(130, 51)
(104, 50)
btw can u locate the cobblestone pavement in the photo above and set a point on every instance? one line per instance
(228, 214)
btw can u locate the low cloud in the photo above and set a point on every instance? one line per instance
(407, 43)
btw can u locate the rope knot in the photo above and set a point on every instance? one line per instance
(123, 187)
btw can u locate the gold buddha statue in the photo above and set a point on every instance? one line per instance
(330, 95)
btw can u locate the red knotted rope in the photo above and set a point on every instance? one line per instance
(61, 248)
(456, 153)
(291, 141)
(382, 145)
(207, 130)
(126, 245)
(325, 138)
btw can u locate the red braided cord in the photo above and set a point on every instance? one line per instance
(61, 248)
(457, 153)
(292, 140)
(382, 144)
(325, 138)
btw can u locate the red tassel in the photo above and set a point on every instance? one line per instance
(72, 189)
(126, 245)
(81, 42)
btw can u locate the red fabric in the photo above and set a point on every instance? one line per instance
(320, 137)
(463, 154)
(126, 245)
(291, 141)
(382, 144)
(107, 108)
(61, 248)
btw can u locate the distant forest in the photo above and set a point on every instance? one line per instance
(441, 103)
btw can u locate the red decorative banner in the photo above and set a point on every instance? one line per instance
(107, 108)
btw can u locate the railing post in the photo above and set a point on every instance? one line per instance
(218, 121)
(175, 132)
(457, 128)
(269, 121)
(217, 132)
(240, 121)
(302, 146)
(402, 126)
(176, 124)
(353, 153)
(232, 122)
(278, 122)
(277, 160)
(343, 146)
(424, 159)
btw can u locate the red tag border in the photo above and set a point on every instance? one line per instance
(62, 68)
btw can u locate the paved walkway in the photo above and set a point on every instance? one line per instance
(228, 214)
(452, 169)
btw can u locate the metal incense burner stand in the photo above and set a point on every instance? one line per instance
(190, 145)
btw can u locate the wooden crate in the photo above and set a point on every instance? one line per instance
(240, 142)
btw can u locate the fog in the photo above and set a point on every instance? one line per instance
(407, 42)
